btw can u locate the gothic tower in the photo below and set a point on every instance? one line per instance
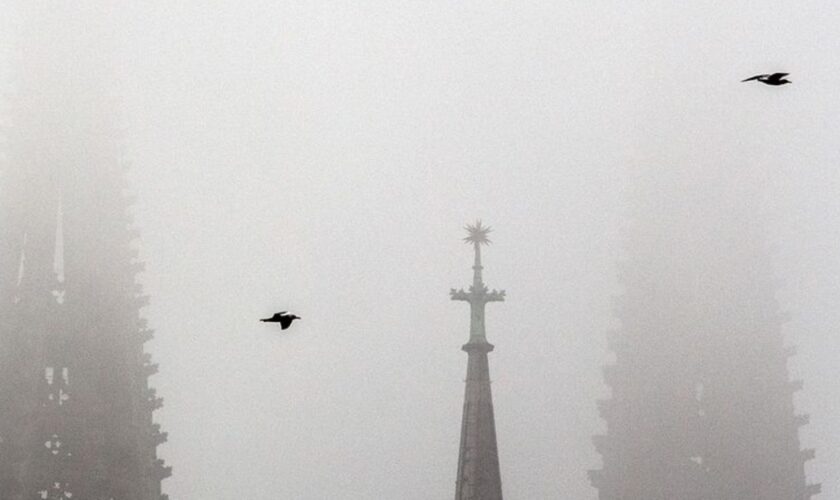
(478, 459)
(75, 403)
(701, 405)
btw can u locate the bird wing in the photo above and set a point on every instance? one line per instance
(779, 75)
(756, 77)
(277, 315)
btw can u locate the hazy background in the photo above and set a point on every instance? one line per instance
(322, 157)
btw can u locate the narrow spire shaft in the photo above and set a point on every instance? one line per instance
(478, 281)
(478, 475)
(477, 332)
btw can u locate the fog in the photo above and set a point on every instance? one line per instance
(323, 157)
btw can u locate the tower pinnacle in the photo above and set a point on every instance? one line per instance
(478, 293)
(478, 459)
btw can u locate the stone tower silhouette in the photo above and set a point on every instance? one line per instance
(75, 403)
(701, 405)
(478, 459)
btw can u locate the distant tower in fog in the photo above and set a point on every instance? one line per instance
(701, 406)
(75, 402)
(478, 459)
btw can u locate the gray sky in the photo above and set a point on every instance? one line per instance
(322, 157)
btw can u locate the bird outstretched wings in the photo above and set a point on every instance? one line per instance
(283, 318)
(775, 79)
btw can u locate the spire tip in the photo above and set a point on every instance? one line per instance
(477, 233)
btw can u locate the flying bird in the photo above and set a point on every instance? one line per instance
(774, 79)
(283, 318)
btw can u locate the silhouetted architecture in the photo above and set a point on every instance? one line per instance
(478, 459)
(75, 403)
(701, 405)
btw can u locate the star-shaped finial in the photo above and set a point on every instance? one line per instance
(477, 233)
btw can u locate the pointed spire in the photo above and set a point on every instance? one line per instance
(701, 404)
(77, 412)
(478, 459)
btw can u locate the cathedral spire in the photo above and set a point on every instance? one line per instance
(478, 458)
(701, 404)
(76, 406)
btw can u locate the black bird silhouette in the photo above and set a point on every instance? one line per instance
(774, 79)
(284, 319)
